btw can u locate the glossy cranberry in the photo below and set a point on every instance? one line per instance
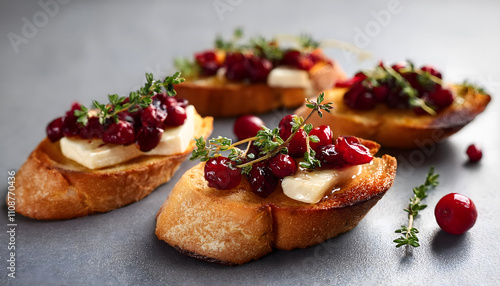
(380, 93)
(282, 165)
(441, 98)
(182, 102)
(54, 129)
(348, 83)
(298, 146)
(221, 173)
(208, 63)
(152, 116)
(262, 180)
(299, 60)
(359, 97)
(70, 125)
(285, 126)
(247, 126)
(325, 135)
(258, 68)
(329, 156)
(398, 66)
(455, 213)
(475, 154)
(235, 67)
(165, 99)
(148, 137)
(119, 133)
(353, 152)
(396, 99)
(433, 71)
(291, 58)
(176, 116)
(93, 129)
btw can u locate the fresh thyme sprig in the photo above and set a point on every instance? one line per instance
(469, 86)
(268, 140)
(136, 99)
(409, 233)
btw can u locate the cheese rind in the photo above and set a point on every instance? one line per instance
(311, 186)
(95, 154)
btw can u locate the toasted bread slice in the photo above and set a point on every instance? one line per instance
(222, 99)
(400, 128)
(235, 226)
(51, 186)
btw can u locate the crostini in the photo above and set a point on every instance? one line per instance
(235, 79)
(401, 106)
(275, 194)
(97, 160)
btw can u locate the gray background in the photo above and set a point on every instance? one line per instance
(86, 50)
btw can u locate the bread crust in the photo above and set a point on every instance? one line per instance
(233, 99)
(400, 128)
(235, 226)
(51, 186)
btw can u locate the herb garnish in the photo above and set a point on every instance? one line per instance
(409, 233)
(136, 99)
(268, 140)
(469, 86)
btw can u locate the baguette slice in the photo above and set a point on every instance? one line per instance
(398, 128)
(223, 99)
(51, 186)
(235, 226)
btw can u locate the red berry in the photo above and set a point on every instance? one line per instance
(475, 154)
(282, 165)
(235, 67)
(221, 173)
(353, 152)
(70, 125)
(297, 146)
(152, 116)
(433, 71)
(348, 83)
(455, 213)
(207, 60)
(119, 133)
(261, 179)
(247, 126)
(381, 92)
(285, 126)
(441, 98)
(54, 129)
(359, 97)
(176, 116)
(325, 135)
(148, 137)
(329, 156)
(258, 68)
(93, 129)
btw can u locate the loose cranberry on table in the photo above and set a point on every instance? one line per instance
(221, 173)
(474, 152)
(455, 213)
(247, 126)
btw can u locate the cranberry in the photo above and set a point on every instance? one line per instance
(329, 156)
(455, 213)
(297, 146)
(93, 129)
(208, 62)
(381, 92)
(359, 97)
(396, 99)
(182, 102)
(261, 179)
(433, 71)
(70, 125)
(398, 67)
(291, 58)
(353, 152)
(299, 60)
(152, 116)
(235, 67)
(441, 98)
(54, 129)
(119, 133)
(247, 126)
(348, 83)
(325, 135)
(148, 137)
(176, 116)
(258, 68)
(165, 99)
(285, 126)
(221, 173)
(282, 165)
(475, 154)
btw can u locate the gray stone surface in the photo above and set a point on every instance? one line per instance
(87, 49)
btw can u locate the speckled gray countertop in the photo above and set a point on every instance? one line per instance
(54, 53)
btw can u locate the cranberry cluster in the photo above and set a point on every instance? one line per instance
(365, 92)
(143, 127)
(249, 66)
(222, 173)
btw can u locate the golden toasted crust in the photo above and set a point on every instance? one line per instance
(50, 186)
(400, 128)
(235, 226)
(232, 99)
